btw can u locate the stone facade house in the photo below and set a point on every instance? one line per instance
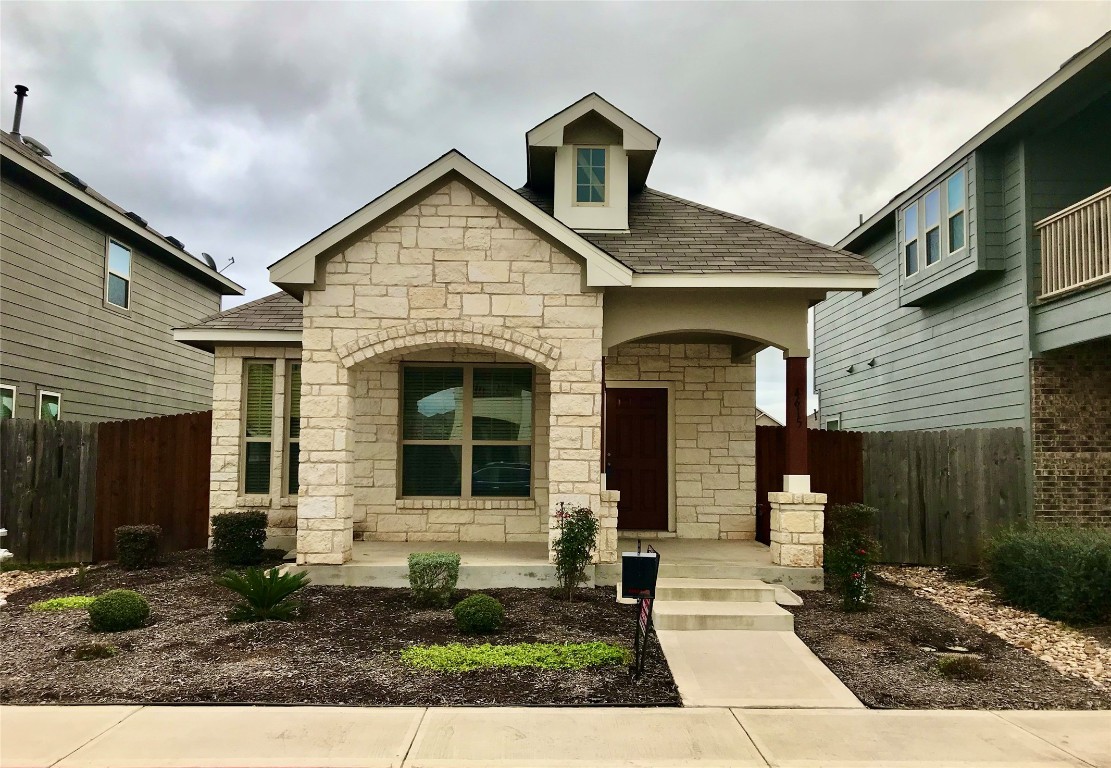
(455, 359)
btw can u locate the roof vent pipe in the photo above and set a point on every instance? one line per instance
(20, 95)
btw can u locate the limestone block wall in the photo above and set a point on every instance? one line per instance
(797, 525)
(451, 272)
(225, 491)
(714, 432)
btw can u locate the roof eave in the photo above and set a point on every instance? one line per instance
(828, 281)
(210, 338)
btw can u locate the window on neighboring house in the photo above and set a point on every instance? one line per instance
(258, 425)
(833, 425)
(119, 275)
(933, 226)
(910, 238)
(466, 431)
(50, 406)
(955, 206)
(7, 402)
(590, 175)
(293, 429)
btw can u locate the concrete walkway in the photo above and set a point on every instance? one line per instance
(412, 737)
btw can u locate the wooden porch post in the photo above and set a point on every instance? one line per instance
(797, 476)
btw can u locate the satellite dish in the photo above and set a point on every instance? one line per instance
(209, 260)
(36, 146)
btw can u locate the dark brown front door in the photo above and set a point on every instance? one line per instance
(636, 456)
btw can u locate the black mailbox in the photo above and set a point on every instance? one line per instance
(638, 574)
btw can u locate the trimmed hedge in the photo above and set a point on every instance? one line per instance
(478, 615)
(1062, 573)
(137, 546)
(238, 537)
(432, 577)
(117, 610)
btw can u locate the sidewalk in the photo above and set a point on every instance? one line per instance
(368, 737)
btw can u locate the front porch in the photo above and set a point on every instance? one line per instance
(491, 565)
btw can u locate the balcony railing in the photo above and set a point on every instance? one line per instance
(1076, 245)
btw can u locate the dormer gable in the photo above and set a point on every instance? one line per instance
(588, 157)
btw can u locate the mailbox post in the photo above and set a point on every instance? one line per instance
(639, 571)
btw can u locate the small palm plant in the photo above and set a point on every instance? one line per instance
(266, 593)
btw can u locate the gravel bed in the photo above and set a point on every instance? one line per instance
(1070, 651)
(345, 649)
(890, 657)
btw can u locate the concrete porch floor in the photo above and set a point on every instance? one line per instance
(488, 565)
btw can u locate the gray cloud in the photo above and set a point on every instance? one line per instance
(246, 128)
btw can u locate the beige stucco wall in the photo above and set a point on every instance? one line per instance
(714, 405)
(227, 426)
(451, 272)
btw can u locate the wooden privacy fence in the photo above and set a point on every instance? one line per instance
(66, 486)
(940, 494)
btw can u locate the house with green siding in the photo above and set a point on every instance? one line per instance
(994, 304)
(89, 297)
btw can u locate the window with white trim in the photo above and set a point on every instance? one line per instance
(293, 428)
(50, 406)
(935, 226)
(258, 425)
(955, 204)
(910, 239)
(466, 431)
(7, 402)
(932, 205)
(117, 286)
(590, 176)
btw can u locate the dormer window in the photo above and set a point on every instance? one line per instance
(590, 176)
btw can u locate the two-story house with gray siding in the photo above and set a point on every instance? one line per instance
(89, 295)
(994, 305)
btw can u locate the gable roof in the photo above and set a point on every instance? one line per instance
(297, 270)
(669, 235)
(273, 319)
(32, 165)
(1088, 71)
(549, 133)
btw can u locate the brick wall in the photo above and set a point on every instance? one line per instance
(1071, 415)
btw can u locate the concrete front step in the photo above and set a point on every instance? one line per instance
(715, 590)
(697, 614)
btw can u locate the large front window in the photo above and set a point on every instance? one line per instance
(466, 431)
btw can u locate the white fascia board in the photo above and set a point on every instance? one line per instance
(299, 267)
(187, 261)
(550, 132)
(835, 281)
(244, 336)
(1023, 105)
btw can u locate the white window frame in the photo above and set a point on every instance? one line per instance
(945, 249)
(108, 272)
(48, 393)
(575, 176)
(923, 227)
(287, 466)
(15, 397)
(466, 442)
(917, 239)
(947, 216)
(244, 438)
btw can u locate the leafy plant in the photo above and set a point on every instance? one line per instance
(238, 537)
(850, 552)
(265, 593)
(478, 615)
(137, 546)
(1060, 572)
(94, 651)
(466, 658)
(432, 577)
(118, 610)
(66, 603)
(578, 533)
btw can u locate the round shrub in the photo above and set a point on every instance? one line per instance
(478, 615)
(117, 610)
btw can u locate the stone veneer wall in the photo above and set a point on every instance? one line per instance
(714, 432)
(227, 428)
(379, 513)
(452, 271)
(1070, 392)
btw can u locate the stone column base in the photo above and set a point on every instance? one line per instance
(797, 522)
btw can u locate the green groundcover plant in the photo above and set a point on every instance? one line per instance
(456, 657)
(67, 603)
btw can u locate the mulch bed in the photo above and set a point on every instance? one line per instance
(884, 656)
(345, 649)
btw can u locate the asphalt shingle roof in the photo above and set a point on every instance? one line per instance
(276, 312)
(669, 235)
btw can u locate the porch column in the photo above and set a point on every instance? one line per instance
(797, 477)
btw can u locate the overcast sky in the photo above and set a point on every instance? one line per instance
(244, 129)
